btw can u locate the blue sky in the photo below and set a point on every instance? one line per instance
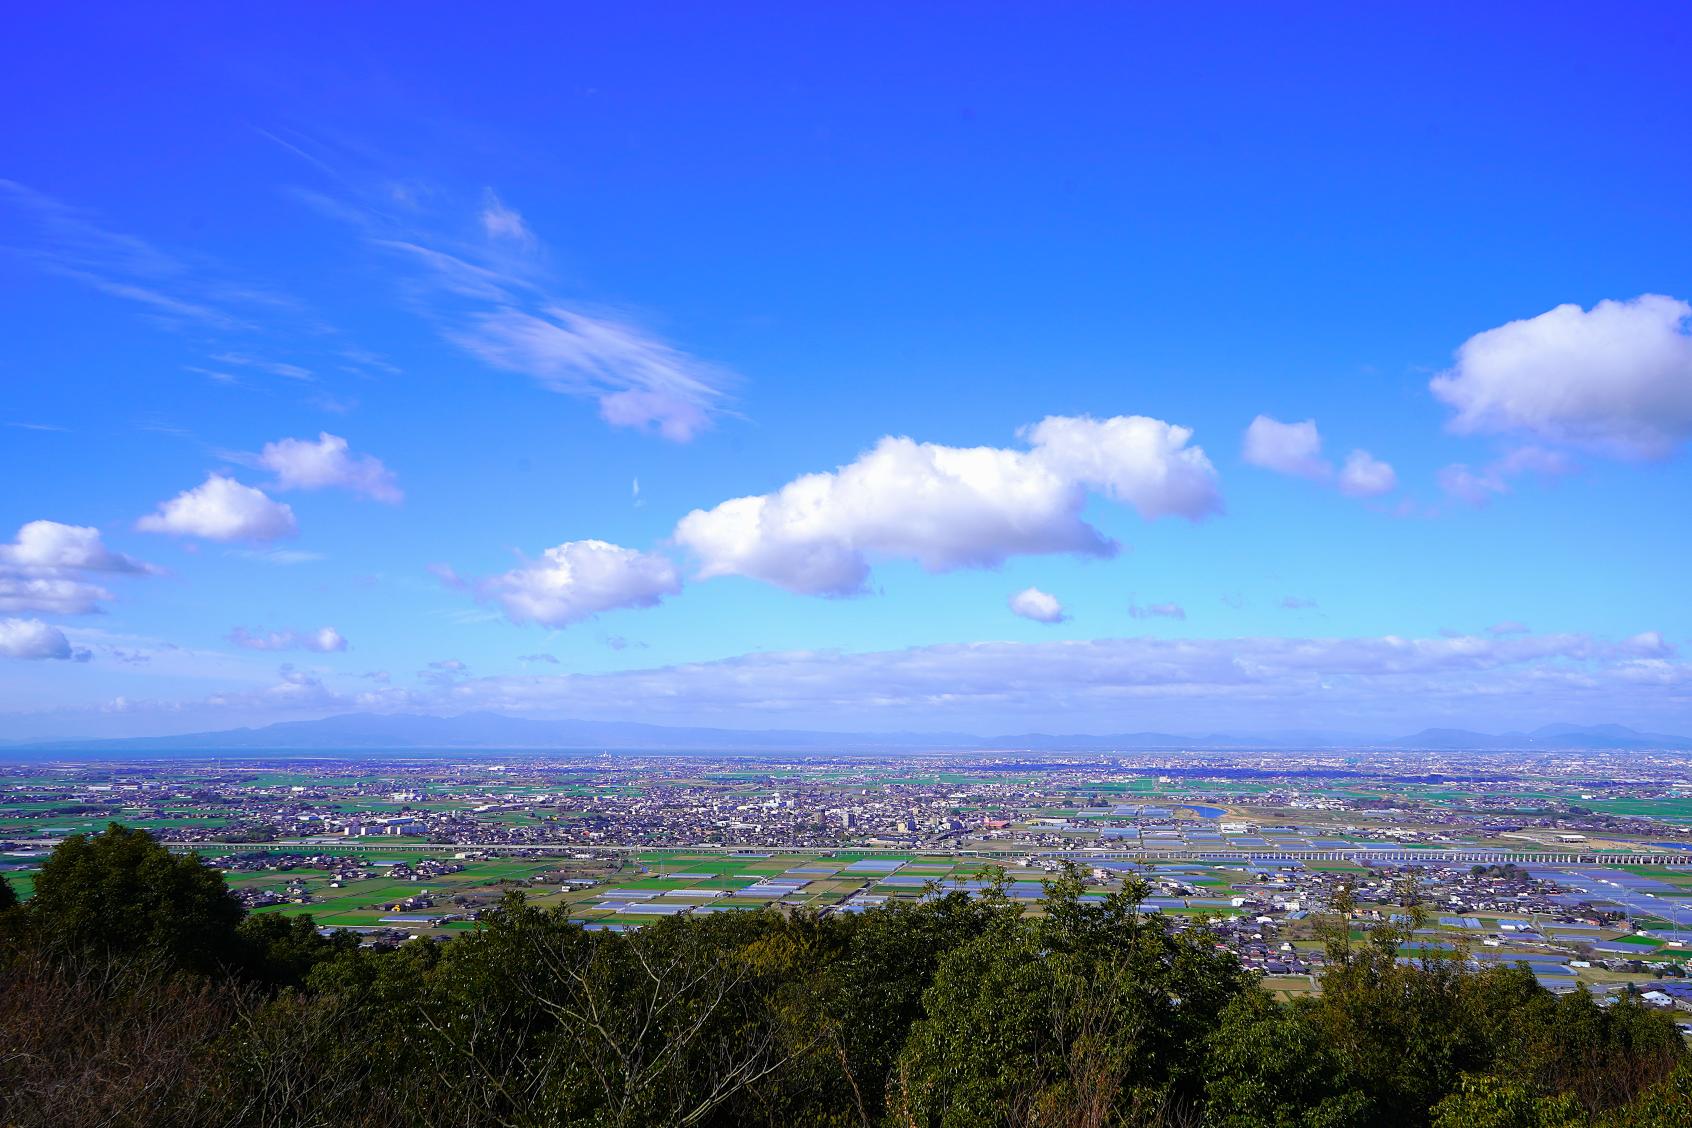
(457, 292)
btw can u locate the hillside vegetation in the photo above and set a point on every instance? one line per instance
(133, 991)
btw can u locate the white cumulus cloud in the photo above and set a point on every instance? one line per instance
(31, 638)
(953, 507)
(1615, 378)
(51, 546)
(57, 595)
(1364, 475)
(579, 579)
(324, 640)
(300, 464)
(1296, 449)
(1042, 607)
(46, 569)
(222, 509)
(1286, 448)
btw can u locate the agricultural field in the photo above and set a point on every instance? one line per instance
(1581, 872)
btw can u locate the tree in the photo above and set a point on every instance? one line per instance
(8, 895)
(1333, 928)
(1087, 1015)
(1604, 1057)
(1402, 1031)
(87, 1042)
(282, 948)
(976, 1056)
(1268, 1067)
(532, 1020)
(1666, 1105)
(1408, 892)
(1491, 1102)
(849, 988)
(121, 893)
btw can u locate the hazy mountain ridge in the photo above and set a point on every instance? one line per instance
(355, 731)
(1609, 737)
(485, 730)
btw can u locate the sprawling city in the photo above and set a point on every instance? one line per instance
(1578, 865)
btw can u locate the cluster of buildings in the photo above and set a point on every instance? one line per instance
(1515, 856)
(990, 803)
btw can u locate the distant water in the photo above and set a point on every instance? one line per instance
(1205, 812)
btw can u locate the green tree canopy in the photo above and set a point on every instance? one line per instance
(120, 892)
(1086, 1015)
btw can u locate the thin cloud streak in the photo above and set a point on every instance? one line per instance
(1103, 685)
(490, 295)
(227, 321)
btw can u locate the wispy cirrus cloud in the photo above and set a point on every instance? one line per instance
(637, 380)
(280, 557)
(478, 274)
(1479, 485)
(323, 640)
(231, 324)
(502, 223)
(275, 368)
(72, 243)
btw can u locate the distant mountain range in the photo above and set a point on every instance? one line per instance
(366, 732)
(398, 731)
(1556, 737)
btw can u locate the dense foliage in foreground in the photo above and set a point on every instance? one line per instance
(133, 992)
